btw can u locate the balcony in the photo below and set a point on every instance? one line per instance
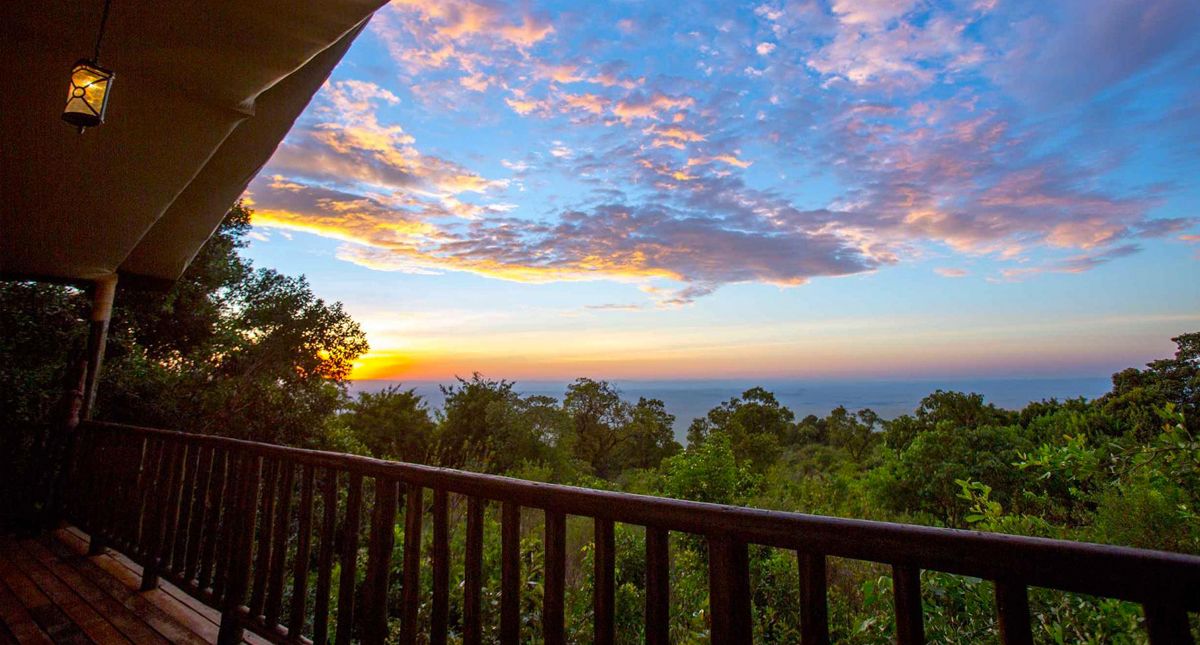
(272, 537)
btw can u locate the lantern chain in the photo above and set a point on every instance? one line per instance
(100, 36)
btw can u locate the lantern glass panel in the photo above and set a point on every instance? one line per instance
(87, 95)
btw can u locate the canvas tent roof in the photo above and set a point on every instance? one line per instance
(204, 92)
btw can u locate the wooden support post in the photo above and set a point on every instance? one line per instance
(103, 291)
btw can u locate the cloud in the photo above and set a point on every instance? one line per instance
(610, 241)
(901, 127)
(649, 106)
(1073, 264)
(870, 13)
(728, 159)
(345, 144)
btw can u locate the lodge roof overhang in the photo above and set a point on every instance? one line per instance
(203, 94)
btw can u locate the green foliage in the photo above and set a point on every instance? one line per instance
(599, 419)
(229, 350)
(708, 472)
(922, 477)
(755, 423)
(392, 424)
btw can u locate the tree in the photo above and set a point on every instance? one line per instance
(42, 325)
(755, 423)
(392, 424)
(923, 477)
(599, 419)
(468, 414)
(1176, 380)
(854, 433)
(229, 350)
(651, 437)
(708, 472)
(959, 410)
(486, 425)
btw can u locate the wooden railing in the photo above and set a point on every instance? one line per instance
(222, 519)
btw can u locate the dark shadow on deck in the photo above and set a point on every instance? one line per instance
(52, 592)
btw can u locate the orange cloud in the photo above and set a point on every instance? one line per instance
(592, 103)
(672, 136)
(723, 158)
(649, 107)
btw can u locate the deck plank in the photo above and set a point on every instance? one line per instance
(17, 620)
(176, 624)
(52, 620)
(132, 626)
(179, 617)
(52, 592)
(77, 610)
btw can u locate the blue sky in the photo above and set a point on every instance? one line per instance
(827, 188)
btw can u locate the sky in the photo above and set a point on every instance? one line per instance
(645, 189)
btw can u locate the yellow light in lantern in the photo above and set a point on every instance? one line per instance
(87, 95)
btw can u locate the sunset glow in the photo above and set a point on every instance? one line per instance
(825, 188)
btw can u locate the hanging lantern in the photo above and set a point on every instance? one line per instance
(87, 95)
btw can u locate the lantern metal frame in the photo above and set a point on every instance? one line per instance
(77, 94)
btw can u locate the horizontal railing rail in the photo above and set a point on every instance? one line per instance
(221, 518)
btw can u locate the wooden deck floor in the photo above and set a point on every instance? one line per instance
(52, 592)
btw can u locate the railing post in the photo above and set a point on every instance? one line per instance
(165, 500)
(510, 573)
(814, 601)
(349, 561)
(1167, 624)
(279, 548)
(410, 592)
(440, 616)
(658, 586)
(604, 589)
(1012, 612)
(473, 574)
(96, 542)
(303, 549)
(329, 498)
(379, 561)
(240, 542)
(906, 588)
(554, 584)
(729, 590)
